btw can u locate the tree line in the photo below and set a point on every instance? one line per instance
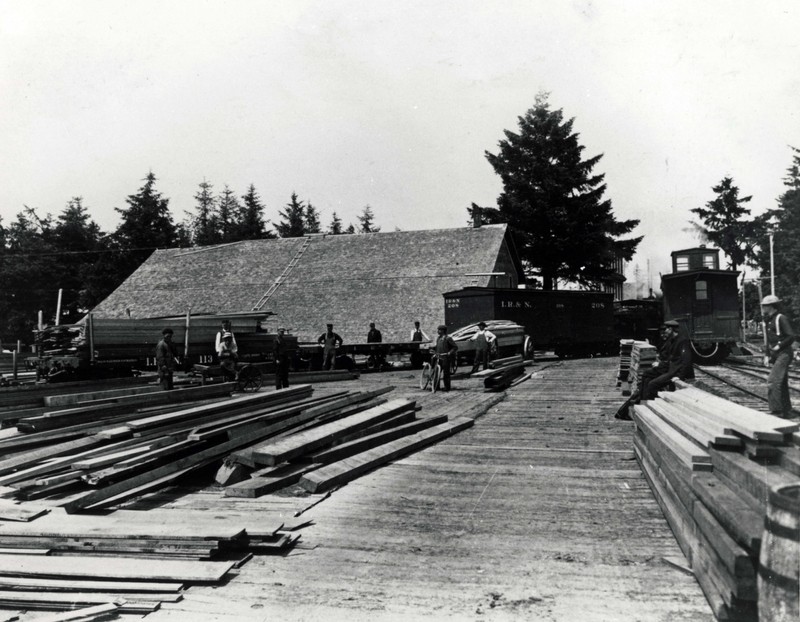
(42, 254)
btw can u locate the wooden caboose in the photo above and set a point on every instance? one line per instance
(704, 299)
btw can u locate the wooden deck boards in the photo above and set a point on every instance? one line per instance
(539, 511)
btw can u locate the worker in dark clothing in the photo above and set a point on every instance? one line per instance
(445, 349)
(282, 356)
(329, 341)
(374, 335)
(418, 334)
(166, 358)
(483, 345)
(679, 358)
(780, 337)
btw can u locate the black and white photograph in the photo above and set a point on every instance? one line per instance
(370, 311)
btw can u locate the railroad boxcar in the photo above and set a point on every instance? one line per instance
(638, 319)
(566, 322)
(705, 300)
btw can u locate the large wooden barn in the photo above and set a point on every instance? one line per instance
(391, 278)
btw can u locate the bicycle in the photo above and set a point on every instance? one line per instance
(431, 375)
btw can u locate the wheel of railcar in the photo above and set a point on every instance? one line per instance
(249, 379)
(527, 349)
(372, 362)
(709, 353)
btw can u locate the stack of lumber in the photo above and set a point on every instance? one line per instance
(625, 348)
(334, 453)
(643, 356)
(132, 560)
(95, 464)
(711, 464)
(503, 373)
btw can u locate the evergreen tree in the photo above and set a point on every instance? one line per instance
(228, 212)
(554, 204)
(293, 223)
(146, 225)
(350, 229)
(367, 221)
(336, 225)
(784, 222)
(204, 224)
(252, 225)
(311, 218)
(79, 242)
(725, 225)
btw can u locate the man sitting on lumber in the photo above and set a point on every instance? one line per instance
(674, 361)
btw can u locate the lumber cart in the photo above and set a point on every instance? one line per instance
(114, 347)
(372, 356)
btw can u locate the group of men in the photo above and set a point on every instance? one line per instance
(675, 361)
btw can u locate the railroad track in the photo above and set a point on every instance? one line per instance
(741, 384)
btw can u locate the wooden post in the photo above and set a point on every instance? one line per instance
(41, 324)
(14, 363)
(186, 337)
(90, 328)
(58, 307)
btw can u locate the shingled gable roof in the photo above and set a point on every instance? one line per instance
(390, 278)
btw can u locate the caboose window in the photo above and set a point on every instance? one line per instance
(701, 290)
(708, 261)
(682, 263)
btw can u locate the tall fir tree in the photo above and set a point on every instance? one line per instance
(146, 224)
(204, 224)
(228, 213)
(565, 229)
(311, 218)
(725, 223)
(293, 221)
(252, 225)
(784, 224)
(367, 221)
(336, 225)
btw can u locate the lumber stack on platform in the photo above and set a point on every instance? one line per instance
(643, 356)
(711, 464)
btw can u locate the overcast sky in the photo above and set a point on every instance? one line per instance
(392, 104)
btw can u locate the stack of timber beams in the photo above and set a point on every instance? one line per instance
(643, 355)
(503, 374)
(334, 453)
(711, 464)
(129, 561)
(625, 349)
(91, 464)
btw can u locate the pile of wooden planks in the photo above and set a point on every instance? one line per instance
(711, 464)
(625, 348)
(642, 358)
(131, 561)
(109, 450)
(331, 454)
(503, 374)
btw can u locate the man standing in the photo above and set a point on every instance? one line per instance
(418, 334)
(225, 328)
(483, 343)
(374, 335)
(329, 341)
(228, 354)
(165, 359)
(281, 351)
(445, 349)
(780, 337)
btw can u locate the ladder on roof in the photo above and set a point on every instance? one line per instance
(283, 274)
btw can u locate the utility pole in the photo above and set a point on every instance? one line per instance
(771, 265)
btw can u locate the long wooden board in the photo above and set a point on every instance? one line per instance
(114, 568)
(304, 442)
(345, 470)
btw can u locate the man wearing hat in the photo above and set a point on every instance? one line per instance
(445, 349)
(674, 360)
(165, 359)
(329, 341)
(228, 354)
(281, 351)
(483, 343)
(780, 338)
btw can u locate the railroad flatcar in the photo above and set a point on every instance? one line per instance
(566, 322)
(704, 300)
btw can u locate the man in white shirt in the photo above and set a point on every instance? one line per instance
(483, 343)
